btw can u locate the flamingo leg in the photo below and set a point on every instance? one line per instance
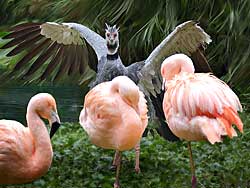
(137, 157)
(118, 167)
(115, 160)
(194, 181)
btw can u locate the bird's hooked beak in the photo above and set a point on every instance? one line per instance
(55, 123)
(163, 83)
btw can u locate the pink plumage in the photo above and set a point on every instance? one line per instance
(115, 117)
(115, 114)
(26, 152)
(197, 106)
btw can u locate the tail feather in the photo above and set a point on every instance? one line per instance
(233, 118)
(211, 134)
(227, 126)
(228, 118)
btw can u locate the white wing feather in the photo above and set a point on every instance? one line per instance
(186, 38)
(73, 33)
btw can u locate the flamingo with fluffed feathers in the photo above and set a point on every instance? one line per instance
(115, 117)
(26, 152)
(198, 106)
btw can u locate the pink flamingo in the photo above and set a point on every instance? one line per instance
(197, 106)
(26, 152)
(115, 117)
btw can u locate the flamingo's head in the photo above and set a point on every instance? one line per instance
(127, 89)
(112, 38)
(174, 65)
(44, 105)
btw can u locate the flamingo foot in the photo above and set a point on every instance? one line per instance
(118, 168)
(194, 182)
(115, 161)
(116, 184)
(137, 158)
(137, 170)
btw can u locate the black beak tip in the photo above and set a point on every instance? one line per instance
(54, 128)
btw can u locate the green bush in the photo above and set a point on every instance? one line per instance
(78, 163)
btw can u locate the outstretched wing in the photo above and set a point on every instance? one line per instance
(52, 48)
(187, 38)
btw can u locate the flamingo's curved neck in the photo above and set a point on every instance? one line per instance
(128, 92)
(42, 152)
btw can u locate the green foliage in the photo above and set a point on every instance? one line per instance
(78, 163)
(144, 24)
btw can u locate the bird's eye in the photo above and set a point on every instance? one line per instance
(115, 35)
(108, 34)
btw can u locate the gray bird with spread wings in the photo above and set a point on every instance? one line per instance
(59, 49)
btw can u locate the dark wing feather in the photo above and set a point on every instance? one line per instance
(21, 33)
(73, 66)
(23, 26)
(42, 58)
(65, 64)
(25, 37)
(54, 62)
(25, 44)
(163, 129)
(42, 44)
(35, 51)
(84, 59)
(200, 61)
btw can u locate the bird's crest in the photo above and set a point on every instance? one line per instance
(112, 38)
(111, 29)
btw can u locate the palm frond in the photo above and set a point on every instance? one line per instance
(144, 24)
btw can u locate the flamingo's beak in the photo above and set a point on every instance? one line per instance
(136, 107)
(55, 123)
(163, 83)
